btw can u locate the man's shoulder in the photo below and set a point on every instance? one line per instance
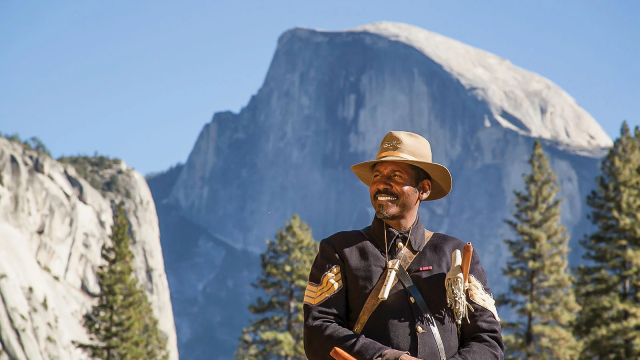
(448, 240)
(345, 238)
(444, 243)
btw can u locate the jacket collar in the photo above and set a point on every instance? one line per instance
(416, 239)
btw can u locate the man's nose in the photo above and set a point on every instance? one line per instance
(382, 182)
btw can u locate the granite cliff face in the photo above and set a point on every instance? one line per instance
(327, 101)
(53, 224)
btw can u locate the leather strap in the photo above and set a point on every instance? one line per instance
(406, 256)
(405, 279)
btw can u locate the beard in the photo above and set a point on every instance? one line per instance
(383, 214)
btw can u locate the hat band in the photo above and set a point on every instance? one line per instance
(395, 153)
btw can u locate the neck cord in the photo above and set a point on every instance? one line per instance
(386, 247)
(386, 253)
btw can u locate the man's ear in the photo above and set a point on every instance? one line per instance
(424, 190)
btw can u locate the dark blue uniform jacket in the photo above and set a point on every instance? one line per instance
(356, 262)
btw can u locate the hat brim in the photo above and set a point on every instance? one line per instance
(440, 175)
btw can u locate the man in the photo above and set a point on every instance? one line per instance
(348, 303)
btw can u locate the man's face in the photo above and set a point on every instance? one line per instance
(393, 190)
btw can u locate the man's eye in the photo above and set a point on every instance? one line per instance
(396, 176)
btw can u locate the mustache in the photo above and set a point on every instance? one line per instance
(384, 192)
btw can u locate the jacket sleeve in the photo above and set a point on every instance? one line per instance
(326, 311)
(480, 338)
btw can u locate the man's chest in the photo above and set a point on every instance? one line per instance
(365, 264)
(396, 322)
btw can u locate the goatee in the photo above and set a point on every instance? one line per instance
(382, 214)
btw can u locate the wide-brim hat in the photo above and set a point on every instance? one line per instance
(409, 148)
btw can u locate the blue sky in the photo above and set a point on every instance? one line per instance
(138, 80)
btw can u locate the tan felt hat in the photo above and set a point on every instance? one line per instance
(409, 148)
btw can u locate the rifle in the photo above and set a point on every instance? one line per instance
(340, 354)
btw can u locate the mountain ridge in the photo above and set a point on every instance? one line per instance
(500, 83)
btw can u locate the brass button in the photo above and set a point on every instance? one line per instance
(400, 245)
(412, 299)
(419, 329)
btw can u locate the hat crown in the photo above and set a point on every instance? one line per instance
(412, 149)
(406, 145)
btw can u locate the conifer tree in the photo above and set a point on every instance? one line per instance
(609, 284)
(540, 290)
(122, 325)
(276, 332)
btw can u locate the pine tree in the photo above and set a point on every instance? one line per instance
(276, 332)
(540, 288)
(609, 290)
(122, 325)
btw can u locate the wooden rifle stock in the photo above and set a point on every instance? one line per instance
(466, 263)
(340, 354)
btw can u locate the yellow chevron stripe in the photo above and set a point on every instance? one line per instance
(326, 285)
(331, 288)
(322, 297)
(330, 283)
(329, 275)
(329, 279)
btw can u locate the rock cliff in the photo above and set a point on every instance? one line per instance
(53, 224)
(326, 102)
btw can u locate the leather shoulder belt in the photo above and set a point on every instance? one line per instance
(406, 256)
